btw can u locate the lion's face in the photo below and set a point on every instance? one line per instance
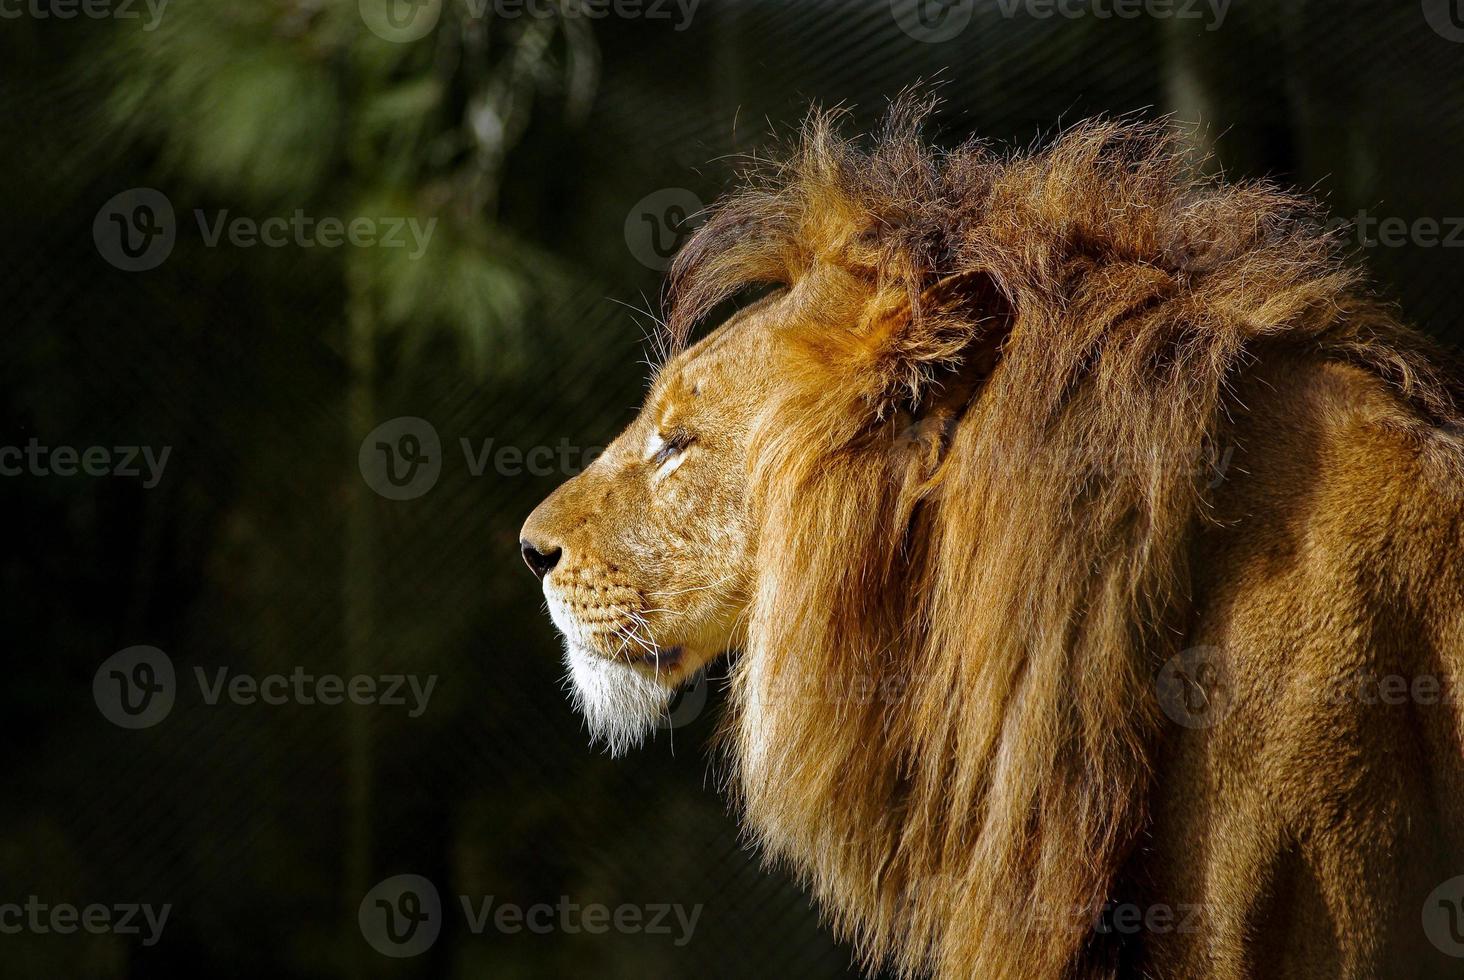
(645, 557)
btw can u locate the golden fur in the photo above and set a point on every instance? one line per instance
(1023, 429)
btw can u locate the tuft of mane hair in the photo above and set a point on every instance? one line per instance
(943, 718)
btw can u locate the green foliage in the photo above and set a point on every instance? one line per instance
(478, 287)
(234, 102)
(285, 104)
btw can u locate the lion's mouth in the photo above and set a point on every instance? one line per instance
(667, 659)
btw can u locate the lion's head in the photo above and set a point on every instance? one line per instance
(937, 487)
(646, 556)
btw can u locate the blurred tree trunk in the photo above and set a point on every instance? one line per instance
(359, 575)
(1228, 108)
(1185, 93)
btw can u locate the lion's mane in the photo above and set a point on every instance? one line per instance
(944, 718)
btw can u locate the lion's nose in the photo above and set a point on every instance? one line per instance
(542, 538)
(540, 558)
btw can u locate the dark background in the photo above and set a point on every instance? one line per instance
(548, 148)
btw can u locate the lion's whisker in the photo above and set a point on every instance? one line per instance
(694, 588)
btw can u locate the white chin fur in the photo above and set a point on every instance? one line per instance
(620, 705)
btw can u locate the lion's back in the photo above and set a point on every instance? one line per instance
(1310, 794)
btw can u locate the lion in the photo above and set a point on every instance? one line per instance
(1085, 540)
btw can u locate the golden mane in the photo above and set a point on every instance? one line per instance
(944, 716)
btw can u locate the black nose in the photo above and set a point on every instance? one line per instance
(541, 563)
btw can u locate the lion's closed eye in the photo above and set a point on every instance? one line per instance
(667, 447)
(666, 452)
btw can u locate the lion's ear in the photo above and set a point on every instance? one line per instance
(961, 325)
(983, 315)
(957, 334)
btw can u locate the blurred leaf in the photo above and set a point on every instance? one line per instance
(295, 104)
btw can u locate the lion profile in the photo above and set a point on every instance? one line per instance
(1015, 435)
